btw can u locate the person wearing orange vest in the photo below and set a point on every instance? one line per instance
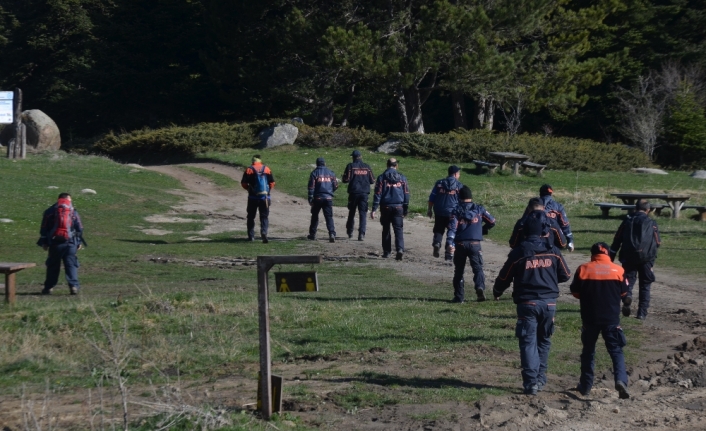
(259, 182)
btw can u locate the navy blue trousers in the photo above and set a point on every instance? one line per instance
(643, 271)
(392, 215)
(535, 326)
(263, 206)
(58, 253)
(357, 202)
(614, 341)
(470, 250)
(327, 206)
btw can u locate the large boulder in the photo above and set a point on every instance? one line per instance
(389, 147)
(699, 174)
(649, 171)
(281, 134)
(42, 132)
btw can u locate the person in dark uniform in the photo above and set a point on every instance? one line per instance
(322, 185)
(535, 269)
(359, 178)
(552, 230)
(392, 197)
(600, 285)
(468, 222)
(259, 182)
(62, 239)
(556, 211)
(443, 199)
(637, 239)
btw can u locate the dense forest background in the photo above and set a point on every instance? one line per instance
(627, 71)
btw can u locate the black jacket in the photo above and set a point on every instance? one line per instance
(553, 232)
(535, 269)
(600, 285)
(628, 232)
(359, 177)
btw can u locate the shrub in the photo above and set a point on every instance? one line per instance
(555, 152)
(335, 137)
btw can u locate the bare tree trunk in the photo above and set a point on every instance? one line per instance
(479, 117)
(402, 110)
(344, 123)
(459, 108)
(413, 101)
(326, 113)
(489, 113)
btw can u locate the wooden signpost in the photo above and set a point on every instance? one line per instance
(264, 264)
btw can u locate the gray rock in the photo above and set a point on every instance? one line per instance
(42, 132)
(298, 120)
(699, 175)
(389, 147)
(5, 220)
(649, 171)
(281, 134)
(52, 187)
(89, 191)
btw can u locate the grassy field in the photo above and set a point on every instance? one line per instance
(505, 196)
(203, 321)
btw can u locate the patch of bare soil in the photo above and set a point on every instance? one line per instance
(668, 386)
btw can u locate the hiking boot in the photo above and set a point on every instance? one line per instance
(626, 306)
(311, 237)
(332, 238)
(480, 294)
(251, 238)
(399, 255)
(457, 301)
(532, 390)
(350, 235)
(361, 237)
(46, 291)
(583, 391)
(622, 390)
(73, 290)
(437, 247)
(264, 238)
(386, 254)
(540, 386)
(640, 317)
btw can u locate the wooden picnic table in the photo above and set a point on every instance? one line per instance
(9, 269)
(514, 158)
(675, 201)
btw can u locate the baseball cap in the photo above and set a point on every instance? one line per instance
(453, 169)
(355, 153)
(320, 162)
(546, 189)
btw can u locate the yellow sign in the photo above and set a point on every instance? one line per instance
(297, 281)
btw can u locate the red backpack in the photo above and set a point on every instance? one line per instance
(63, 220)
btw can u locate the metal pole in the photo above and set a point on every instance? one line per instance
(265, 361)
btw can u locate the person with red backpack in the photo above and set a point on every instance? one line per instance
(637, 239)
(259, 182)
(61, 234)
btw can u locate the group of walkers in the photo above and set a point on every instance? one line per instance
(535, 266)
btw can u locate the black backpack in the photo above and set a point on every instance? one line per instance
(639, 238)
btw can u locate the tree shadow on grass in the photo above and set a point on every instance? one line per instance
(414, 382)
(306, 297)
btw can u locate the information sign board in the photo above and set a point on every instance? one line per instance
(6, 107)
(297, 281)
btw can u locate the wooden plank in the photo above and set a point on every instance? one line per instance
(265, 360)
(10, 288)
(14, 267)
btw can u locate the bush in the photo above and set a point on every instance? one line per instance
(337, 137)
(556, 153)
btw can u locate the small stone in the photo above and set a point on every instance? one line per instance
(616, 410)
(89, 191)
(698, 362)
(289, 424)
(52, 187)
(5, 220)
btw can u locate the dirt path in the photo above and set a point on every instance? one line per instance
(667, 387)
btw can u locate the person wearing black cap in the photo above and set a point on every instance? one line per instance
(468, 222)
(443, 199)
(637, 239)
(322, 185)
(259, 182)
(359, 177)
(392, 197)
(600, 285)
(552, 231)
(556, 211)
(535, 269)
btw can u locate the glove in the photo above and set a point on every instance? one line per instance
(570, 247)
(485, 230)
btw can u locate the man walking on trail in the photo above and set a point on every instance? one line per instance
(443, 199)
(322, 185)
(392, 197)
(61, 234)
(535, 269)
(468, 222)
(556, 211)
(600, 285)
(259, 182)
(552, 230)
(359, 178)
(637, 239)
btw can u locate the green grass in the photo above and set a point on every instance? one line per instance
(203, 321)
(505, 196)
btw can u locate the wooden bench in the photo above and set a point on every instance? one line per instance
(490, 165)
(536, 166)
(607, 206)
(9, 269)
(700, 208)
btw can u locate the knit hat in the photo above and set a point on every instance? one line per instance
(320, 162)
(545, 190)
(453, 169)
(256, 159)
(600, 248)
(465, 193)
(534, 224)
(356, 154)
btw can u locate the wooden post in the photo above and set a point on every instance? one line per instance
(10, 288)
(264, 264)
